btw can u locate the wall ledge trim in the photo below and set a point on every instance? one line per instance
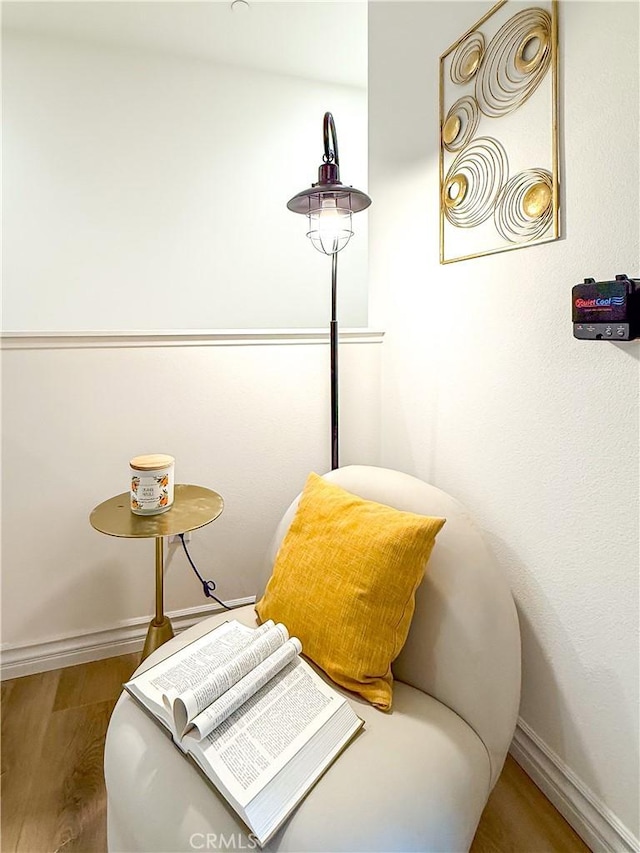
(17, 660)
(182, 338)
(594, 822)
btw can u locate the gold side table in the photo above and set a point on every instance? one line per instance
(193, 507)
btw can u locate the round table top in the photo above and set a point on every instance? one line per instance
(193, 507)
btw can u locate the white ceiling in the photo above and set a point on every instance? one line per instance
(314, 39)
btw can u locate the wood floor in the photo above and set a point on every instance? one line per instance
(53, 796)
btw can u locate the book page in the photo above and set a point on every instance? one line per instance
(184, 666)
(195, 700)
(200, 658)
(244, 689)
(252, 745)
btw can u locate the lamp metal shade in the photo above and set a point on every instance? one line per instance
(309, 201)
(329, 206)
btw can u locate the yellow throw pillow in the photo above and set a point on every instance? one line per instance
(344, 582)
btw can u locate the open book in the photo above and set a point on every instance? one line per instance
(258, 721)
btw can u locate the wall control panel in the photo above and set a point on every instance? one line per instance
(606, 310)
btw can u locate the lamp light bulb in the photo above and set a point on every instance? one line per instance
(330, 226)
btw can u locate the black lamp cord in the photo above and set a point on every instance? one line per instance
(207, 586)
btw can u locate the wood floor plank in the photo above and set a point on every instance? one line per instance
(26, 709)
(67, 807)
(98, 681)
(519, 819)
(5, 690)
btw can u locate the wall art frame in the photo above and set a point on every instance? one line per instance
(499, 136)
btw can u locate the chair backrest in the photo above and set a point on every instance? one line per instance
(464, 644)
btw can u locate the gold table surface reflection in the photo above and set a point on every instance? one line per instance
(193, 507)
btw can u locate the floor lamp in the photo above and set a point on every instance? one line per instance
(329, 205)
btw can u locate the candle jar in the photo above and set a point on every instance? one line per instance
(152, 480)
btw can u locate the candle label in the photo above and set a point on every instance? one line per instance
(151, 493)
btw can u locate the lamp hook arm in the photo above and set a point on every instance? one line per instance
(330, 155)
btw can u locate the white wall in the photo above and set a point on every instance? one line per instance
(146, 190)
(246, 417)
(487, 394)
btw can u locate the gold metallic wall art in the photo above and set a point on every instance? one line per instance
(467, 58)
(524, 209)
(460, 124)
(499, 133)
(473, 182)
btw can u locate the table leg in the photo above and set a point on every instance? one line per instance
(160, 628)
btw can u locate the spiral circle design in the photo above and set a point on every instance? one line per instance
(473, 182)
(524, 209)
(515, 62)
(467, 58)
(460, 124)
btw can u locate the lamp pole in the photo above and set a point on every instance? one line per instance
(329, 205)
(333, 346)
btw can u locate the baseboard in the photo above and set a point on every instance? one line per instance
(128, 637)
(596, 824)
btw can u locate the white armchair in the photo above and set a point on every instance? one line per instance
(418, 777)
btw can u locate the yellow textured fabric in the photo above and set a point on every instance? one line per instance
(344, 582)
